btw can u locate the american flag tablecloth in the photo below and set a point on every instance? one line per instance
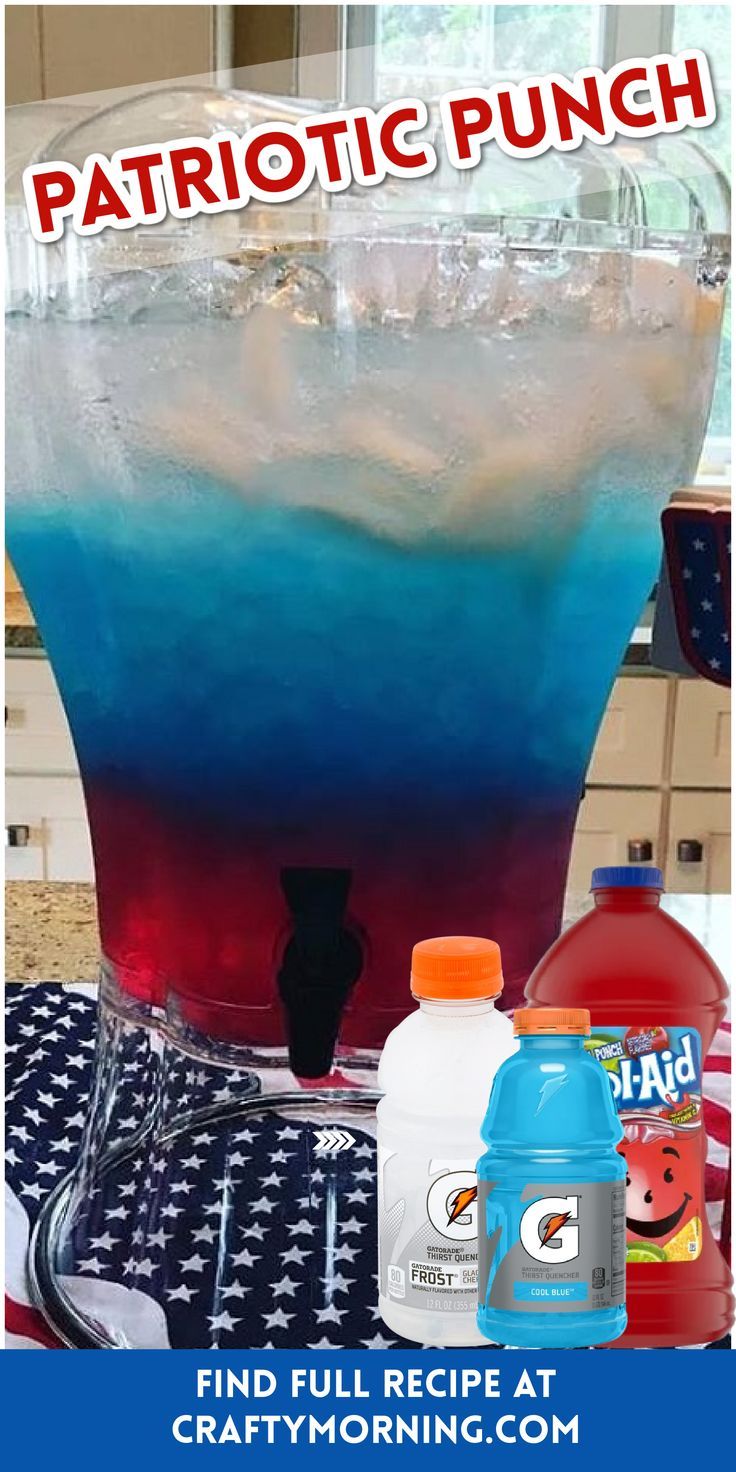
(50, 1038)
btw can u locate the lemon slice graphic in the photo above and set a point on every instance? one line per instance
(685, 1247)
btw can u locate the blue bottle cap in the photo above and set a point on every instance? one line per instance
(630, 876)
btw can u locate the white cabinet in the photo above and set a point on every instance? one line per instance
(660, 774)
(47, 835)
(37, 737)
(699, 843)
(51, 811)
(701, 751)
(630, 748)
(608, 821)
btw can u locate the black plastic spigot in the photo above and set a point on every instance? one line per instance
(320, 966)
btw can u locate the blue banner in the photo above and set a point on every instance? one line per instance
(158, 1410)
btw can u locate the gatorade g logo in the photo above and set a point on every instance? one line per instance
(549, 1229)
(452, 1205)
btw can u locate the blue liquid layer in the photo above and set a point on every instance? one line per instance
(282, 659)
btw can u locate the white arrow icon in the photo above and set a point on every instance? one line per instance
(330, 1142)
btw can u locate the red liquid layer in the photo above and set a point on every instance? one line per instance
(195, 905)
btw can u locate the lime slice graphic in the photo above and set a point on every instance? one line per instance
(600, 1041)
(645, 1252)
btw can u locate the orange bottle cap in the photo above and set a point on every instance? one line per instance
(551, 1020)
(456, 967)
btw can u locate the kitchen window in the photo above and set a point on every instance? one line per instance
(427, 49)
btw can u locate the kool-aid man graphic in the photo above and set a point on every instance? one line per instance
(654, 1074)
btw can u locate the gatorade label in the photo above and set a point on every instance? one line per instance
(428, 1232)
(655, 1076)
(552, 1248)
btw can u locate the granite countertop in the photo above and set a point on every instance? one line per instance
(51, 929)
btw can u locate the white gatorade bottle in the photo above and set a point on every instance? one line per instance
(435, 1074)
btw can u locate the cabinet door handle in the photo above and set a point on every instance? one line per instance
(17, 835)
(689, 851)
(640, 851)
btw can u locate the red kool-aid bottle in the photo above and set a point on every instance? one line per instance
(655, 999)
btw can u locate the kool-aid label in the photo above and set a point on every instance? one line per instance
(551, 1248)
(655, 1078)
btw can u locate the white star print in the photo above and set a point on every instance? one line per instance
(91, 1265)
(323, 1343)
(223, 1320)
(698, 545)
(273, 1180)
(287, 1133)
(352, 1225)
(345, 1253)
(105, 1243)
(336, 1283)
(244, 1259)
(285, 1285)
(277, 1320)
(706, 605)
(193, 1162)
(193, 1264)
(205, 1234)
(302, 1226)
(377, 1342)
(263, 1204)
(116, 1213)
(329, 1315)
(182, 1292)
(358, 1195)
(159, 1238)
(295, 1254)
(235, 1290)
(237, 1158)
(365, 1150)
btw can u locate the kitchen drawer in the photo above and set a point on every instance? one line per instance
(37, 736)
(630, 748)
(702, 818)
(701, 752)
(607, 822)
(58, 844)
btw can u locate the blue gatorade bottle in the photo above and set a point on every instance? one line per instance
(551, 1193)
